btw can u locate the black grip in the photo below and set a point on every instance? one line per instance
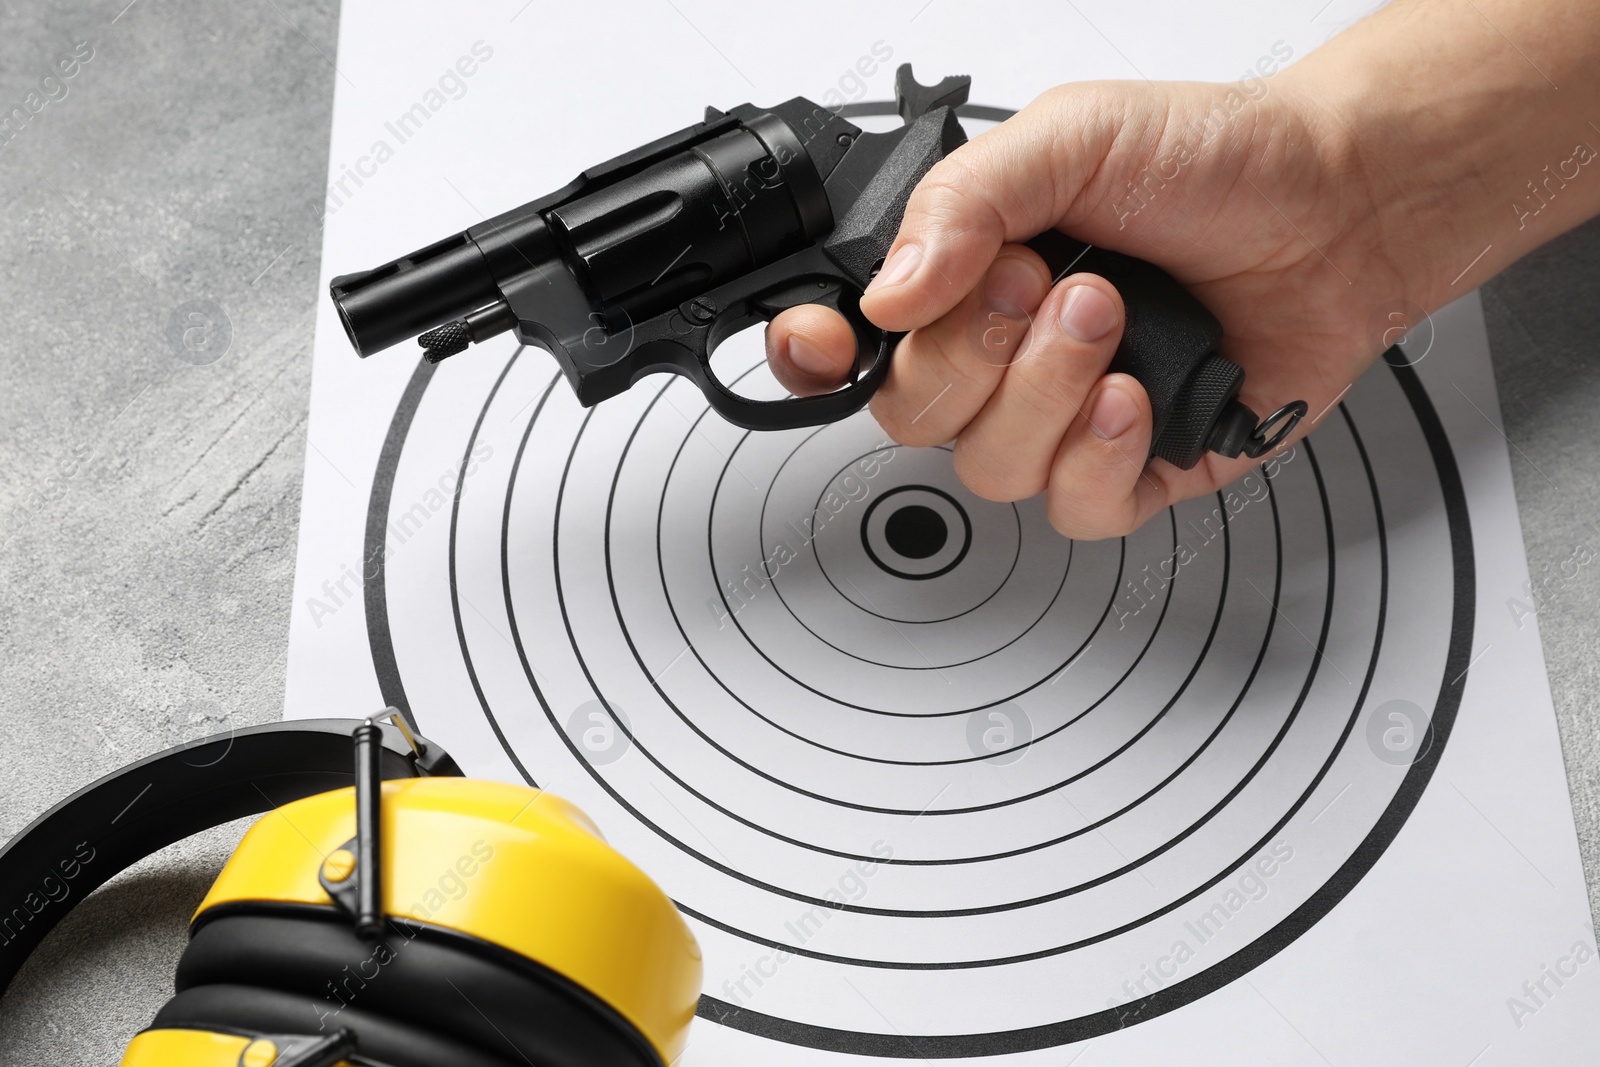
(1169, 344)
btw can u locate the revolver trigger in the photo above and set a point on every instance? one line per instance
(913, 99)
(803, 291)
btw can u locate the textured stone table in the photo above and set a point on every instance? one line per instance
(149, 505)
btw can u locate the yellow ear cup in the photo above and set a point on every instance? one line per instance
(184, 1048)
(200, 1048)
(512, 866)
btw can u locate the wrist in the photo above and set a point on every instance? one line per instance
(1461, 157)
(1392, 163)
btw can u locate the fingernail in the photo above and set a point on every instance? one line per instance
(809, 358)
(1011, 288)
(1087, 314)
(1114, 411)
(898, 268)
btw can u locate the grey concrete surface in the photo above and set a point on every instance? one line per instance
(148, 506)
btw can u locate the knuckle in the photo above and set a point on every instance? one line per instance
(920, 434)
(932, 384)
(1057, 98)
(1061, 525)
(890, 409)
(1070, 522)
(945, 346)
(1051, 375)
(944, 189)
(992, 477)
(1086, 518)
(947, 199)
(1041, 392)
(885, 412)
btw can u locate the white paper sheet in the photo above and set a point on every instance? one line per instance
(1067, 803)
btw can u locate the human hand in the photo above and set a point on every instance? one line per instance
(1247, 199)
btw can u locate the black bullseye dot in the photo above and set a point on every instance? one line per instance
(915, 531)
(914, 540)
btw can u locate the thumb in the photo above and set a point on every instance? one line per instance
(1009, 184)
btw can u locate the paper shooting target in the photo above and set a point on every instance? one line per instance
(928, 779)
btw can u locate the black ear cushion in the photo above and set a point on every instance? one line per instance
(419, 986)
(252, 1009)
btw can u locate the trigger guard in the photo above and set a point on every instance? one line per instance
(809, 276)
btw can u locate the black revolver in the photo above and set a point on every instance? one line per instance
(648, 262)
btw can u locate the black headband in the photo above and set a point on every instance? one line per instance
(111, 824)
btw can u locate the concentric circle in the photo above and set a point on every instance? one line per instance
(922, 534)
(903, 753)
(1156, 734)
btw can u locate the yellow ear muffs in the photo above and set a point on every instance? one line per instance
(514, 934)
(421, 921)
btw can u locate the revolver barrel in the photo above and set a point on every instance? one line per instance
(395, 302)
